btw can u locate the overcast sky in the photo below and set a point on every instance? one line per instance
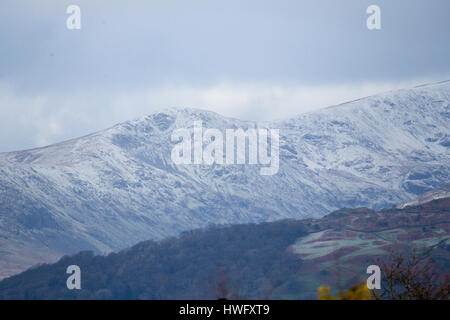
(250, 59)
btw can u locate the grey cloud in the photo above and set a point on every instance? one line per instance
(55, 80)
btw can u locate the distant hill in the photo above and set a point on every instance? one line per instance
(111, 189)
(285, 259)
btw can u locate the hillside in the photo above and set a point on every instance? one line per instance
(111, 189)
(283, 259)
(443, 192)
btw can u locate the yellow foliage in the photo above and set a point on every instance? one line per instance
(359, 292)
(324, 293)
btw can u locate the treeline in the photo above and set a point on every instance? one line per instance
(239, 261)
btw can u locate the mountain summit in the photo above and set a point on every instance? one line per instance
(114, 188)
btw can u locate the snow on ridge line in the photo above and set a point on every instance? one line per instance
(180, 111)
(118, 186)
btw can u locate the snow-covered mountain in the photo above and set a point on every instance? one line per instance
(113, 188)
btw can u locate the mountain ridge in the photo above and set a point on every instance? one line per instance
(116, 187)
(175, 109)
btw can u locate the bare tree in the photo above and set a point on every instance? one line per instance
(222, 288)
(412, 276)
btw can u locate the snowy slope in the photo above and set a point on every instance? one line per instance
(113, 188)
(440, 193)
